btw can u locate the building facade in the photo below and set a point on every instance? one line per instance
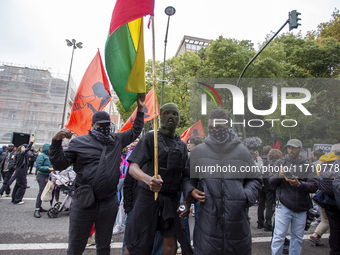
(32, 101)
(190, 43)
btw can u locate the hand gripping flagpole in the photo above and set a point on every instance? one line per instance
(154, 103)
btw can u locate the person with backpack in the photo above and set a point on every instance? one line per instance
(149, 214)
(96, 158)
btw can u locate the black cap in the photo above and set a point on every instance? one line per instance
(101, 117)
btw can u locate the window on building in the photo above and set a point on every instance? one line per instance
(6, 137)
(12, 114)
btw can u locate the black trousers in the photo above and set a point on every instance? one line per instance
(30, 166)
(20, 185)
(13, 178)
(148, 216)
(42, 180)
(5, 185)
(103, 215)
(266, 202)
(333, 215)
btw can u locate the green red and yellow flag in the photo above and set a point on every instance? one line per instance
(124, 49)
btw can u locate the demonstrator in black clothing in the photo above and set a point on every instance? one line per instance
(84, 153)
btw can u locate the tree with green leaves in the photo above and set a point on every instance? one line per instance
(288, 56)
(326, 30)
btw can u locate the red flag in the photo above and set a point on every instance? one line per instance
(148, 112)
(195, 130)
(93, 95)
(129, 10)
(277, 145)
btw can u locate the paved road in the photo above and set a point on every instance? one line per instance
(21, 233)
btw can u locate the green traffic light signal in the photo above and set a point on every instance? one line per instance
(294, 19)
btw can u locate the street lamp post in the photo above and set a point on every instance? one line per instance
(168, 11)
(74, 45)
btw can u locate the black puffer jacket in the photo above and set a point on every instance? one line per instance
(223, 226)
(295, 198)
(84, 153)
(328, 171)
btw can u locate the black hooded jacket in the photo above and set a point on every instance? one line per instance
(84, 153)
(22, 159)
(223, 226)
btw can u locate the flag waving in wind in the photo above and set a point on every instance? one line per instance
(92, 95)
(276, 145)
(124, 49)
(195, 130)
(148, 114)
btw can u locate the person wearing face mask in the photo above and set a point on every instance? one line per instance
(84, 152)
(223, 225)
(150, 215)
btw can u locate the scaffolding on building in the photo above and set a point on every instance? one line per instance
(32, 100)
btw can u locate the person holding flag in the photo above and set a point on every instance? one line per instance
(85, 152)
(160, 214)
(93, 95)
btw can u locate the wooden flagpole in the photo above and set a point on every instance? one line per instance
(154, 103)
(112, 111)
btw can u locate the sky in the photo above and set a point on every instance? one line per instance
(33, 33)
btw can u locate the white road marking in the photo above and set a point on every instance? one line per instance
(115, 245)
(25, 198)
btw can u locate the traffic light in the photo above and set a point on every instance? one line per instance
(294, 19)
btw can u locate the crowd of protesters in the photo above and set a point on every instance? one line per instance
(14, 164)
(129, 198)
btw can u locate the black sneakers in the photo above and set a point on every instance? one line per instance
(260, 225)
(37, 214)
(268, 228)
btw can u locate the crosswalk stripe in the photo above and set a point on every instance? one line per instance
(115, 245)
(25, 198)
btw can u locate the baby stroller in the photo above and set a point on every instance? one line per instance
(64, 180)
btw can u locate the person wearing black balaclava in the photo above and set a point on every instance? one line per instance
(149, 215)
(84, 152)
(225, 192)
